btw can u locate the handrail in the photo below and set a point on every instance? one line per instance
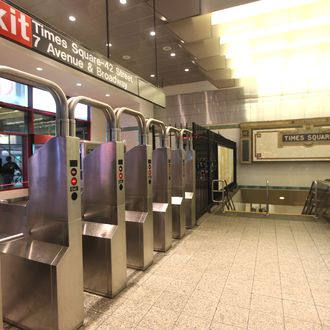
(140, 120)
(267, 197)
(315, 196)
(105, 108)
(62, 117)
(222, 190)
(154, 122)
(189, 133)
(11, 237)
(177, 133)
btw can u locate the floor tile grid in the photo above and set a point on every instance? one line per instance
(293, 229)
(237, 249)
(254, 272)
(313, 236)
(195, 288)
(280, 277)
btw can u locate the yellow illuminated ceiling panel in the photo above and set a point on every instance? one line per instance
(277, 47)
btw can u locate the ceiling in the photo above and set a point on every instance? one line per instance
(127, 28)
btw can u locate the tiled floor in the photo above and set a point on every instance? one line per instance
(228, 274)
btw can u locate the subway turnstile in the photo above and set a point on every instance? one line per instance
(161, 189)
(1, 323)
(103, 201)
(178, 186)
(41, 273)
(190, 182)
(138, 194)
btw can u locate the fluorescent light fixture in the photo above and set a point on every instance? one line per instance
(152, 76)
(278, 49)
(281, 197)
(152, 33)
(78, 84)
(107, 95)
(72, 18)
(186, 69)
(163, 18)
(123, 2)
(295, 26)
(173, 54)
(254, 9)
(39, 68)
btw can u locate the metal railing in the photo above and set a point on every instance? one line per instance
(318, 199)
(220, 186)
(267, 197)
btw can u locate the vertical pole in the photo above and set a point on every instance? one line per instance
(267, 197)
(155, 42)
(107, 23)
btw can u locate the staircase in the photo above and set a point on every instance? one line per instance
(318, 199)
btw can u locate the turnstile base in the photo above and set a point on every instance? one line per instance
(139, 239)
(104, 259)
(178, 221)
(162, 218)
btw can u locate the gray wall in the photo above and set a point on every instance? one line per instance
(227, 108)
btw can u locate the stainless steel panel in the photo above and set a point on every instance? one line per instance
(178, 190)
(43, 272)
(190, 188)
(178, 220)
(104, 240)
(139, 221)
(162, 207)
(1, 323)
(13, 219)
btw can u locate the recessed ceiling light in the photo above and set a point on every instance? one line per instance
(152, 33)
(126, 57)
(108, 45)
(79, 84)
(163, 18)
(180, 45)
(167, 48)
(72, 18)
(186, 69)
(172, 54)
(123, 2)
(39, 68)
(281, 197)
(107, 95)
(193, 62)
(182, 41)
(152, 76)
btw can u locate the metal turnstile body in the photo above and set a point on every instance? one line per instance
(13, 217)
(138, 215)
(104, 233)
(178, 191)
(42, 278)
(190, 188)
(1, 323)
(162, 207)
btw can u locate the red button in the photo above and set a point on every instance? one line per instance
(74, 181)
